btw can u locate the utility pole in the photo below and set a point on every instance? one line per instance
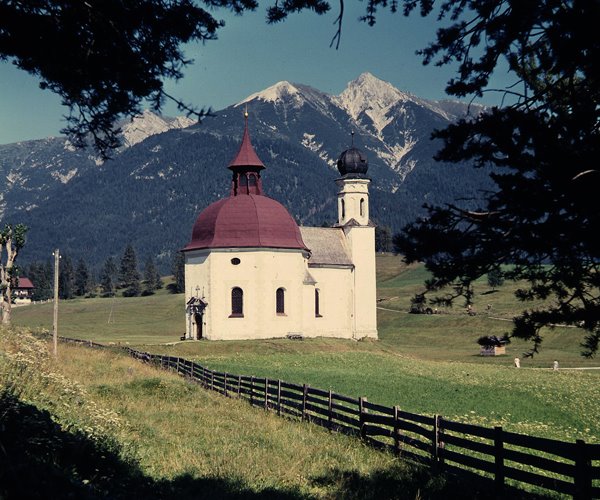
(56, 254)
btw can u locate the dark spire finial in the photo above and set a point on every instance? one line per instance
(352, 134)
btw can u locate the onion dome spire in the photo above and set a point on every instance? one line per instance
(246, 167)
(352, 162)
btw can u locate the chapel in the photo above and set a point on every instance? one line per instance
(252, 273)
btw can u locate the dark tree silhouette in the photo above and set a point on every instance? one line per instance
(105, 58)
(544, 147)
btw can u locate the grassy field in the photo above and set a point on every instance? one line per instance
(423, 363)
(98, 424)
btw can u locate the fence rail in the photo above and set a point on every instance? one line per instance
(498, 455)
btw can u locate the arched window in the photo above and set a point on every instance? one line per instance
(317, 305)
(237, 302)
(242, 184)
(252, 184)
(362, 207)
(343, 210)
(280, 301)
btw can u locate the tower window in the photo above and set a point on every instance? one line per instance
(242, 184)
(362, 207)
(317, 305)
(280, 301)
(343, 210)
(237, 302)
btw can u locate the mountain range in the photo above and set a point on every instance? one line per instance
(168, 169)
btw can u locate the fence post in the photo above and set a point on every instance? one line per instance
(266, 393)
(177, 368)
(239, 388)
(583, 468)
(225, 383)
(435, 439)
(396, 431)
(498, 459)
(329, 411)
(304, 395)
(279, 397)
(212, 380)
(361, 416)
(252, 390)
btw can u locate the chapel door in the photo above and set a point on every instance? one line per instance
(198, 318)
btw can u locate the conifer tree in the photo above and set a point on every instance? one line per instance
(152, 280)
(178, 270)
(40, 275)
(83, 279)
(66, 278)
(107, 277)
(129, 276)
(48, 290)
(383, 239)
(495, 278)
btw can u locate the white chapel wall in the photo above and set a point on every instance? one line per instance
(335, 287)
(259, 274)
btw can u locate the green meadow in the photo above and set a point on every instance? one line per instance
(427, 364)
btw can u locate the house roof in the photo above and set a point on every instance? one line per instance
(24, 283)
(327, 246)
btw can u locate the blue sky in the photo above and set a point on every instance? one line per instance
(250, 56)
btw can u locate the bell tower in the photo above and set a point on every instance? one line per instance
(353, 217)
(246, 167)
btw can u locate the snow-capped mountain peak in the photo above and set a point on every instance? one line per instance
(280, 91)
(372, 95)
(149, 123)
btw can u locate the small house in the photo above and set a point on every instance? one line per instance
(23, 291)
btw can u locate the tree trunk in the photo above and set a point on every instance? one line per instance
(6, 279)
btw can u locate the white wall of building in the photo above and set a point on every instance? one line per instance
(335, 303)
(361, 241)
(259, 274)
(211, 276)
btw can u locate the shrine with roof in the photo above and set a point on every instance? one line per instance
(252, 273)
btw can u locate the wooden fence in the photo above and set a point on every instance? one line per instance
(500, 456)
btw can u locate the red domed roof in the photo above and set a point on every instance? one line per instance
(246, 221)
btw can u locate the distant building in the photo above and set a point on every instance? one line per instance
(252, 273)
(23, 291)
